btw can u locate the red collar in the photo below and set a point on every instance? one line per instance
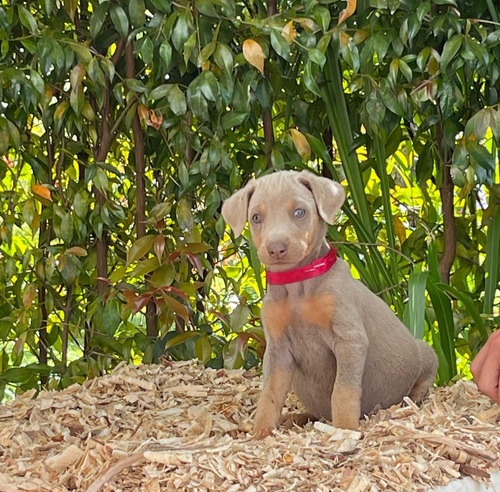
(316, 268)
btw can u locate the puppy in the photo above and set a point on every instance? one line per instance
(336, 343)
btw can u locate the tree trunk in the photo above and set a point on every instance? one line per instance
(449, 247)
(140, 202)
(267, 120)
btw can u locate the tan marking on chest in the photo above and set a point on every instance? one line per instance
(318, 309)
(276, 317)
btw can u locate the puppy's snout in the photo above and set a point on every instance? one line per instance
(277, 249)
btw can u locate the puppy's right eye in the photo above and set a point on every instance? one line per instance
(256, 218)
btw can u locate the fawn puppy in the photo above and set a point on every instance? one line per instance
(339, 346)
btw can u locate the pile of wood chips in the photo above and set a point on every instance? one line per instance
(180, 426)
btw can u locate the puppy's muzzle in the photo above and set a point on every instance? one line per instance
(277, 250)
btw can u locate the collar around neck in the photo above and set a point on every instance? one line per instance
(314, 269)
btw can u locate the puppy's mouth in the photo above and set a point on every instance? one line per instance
(282, 264)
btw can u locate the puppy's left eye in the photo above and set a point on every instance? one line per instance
(299, 213)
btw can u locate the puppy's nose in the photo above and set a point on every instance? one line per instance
(277, 249)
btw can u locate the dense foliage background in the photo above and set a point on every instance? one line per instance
(124, 124)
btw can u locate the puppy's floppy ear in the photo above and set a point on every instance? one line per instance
(235, 208)
(328, 195)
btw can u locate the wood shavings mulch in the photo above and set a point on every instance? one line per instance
(183, 427)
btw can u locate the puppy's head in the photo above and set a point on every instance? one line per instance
(287, 212)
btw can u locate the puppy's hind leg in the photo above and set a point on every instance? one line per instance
(428, 369)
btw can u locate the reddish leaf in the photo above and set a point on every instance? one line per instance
(220, 316)
(176, 291)
(195, 261)
(159, 246)
(42, 191)
(175, 254)
(140, 302)
(177, 307)
(29, 295)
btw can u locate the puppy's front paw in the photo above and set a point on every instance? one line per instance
(261, 433)
(346, 405)
(346, 422)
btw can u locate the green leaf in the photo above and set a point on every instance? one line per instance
(310, 77)
(208, 84)
(166, 53)
(82, 52)
(67, 228)
(491, 264)
(4, 136)
(144, 267)
(37, 82)
(137, 9)
(119, 19)
(197, 103)
(135, 85)
(223, 57)
(232, 119)
(481, 155)
(163, 276)
(316, 56)
(146, 51)
(181, 32)
(239, 317)
(59, 115)
(466, 299)
(181, 338)
(233, 355)
(280, 45)
(203, 349)
(184, 215)
(27, 19)
(416, 303)
(450, 49)
(14, 135)
(16, 375)
(323, 17)
(97, 19)
(159, 92)
(139, 248)
(444, 316)
(177, 100)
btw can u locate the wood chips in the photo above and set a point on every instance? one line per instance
(183, 427)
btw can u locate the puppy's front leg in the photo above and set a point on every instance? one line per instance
(278, 377)
(350, 352)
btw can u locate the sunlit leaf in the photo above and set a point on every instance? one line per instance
(348, 11)
(289, 32)
(76, 251)
(301, 144)
(254, 54)
(139, 248)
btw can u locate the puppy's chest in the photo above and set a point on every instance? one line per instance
(298, 314)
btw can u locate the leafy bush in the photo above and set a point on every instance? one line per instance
(123, 126)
